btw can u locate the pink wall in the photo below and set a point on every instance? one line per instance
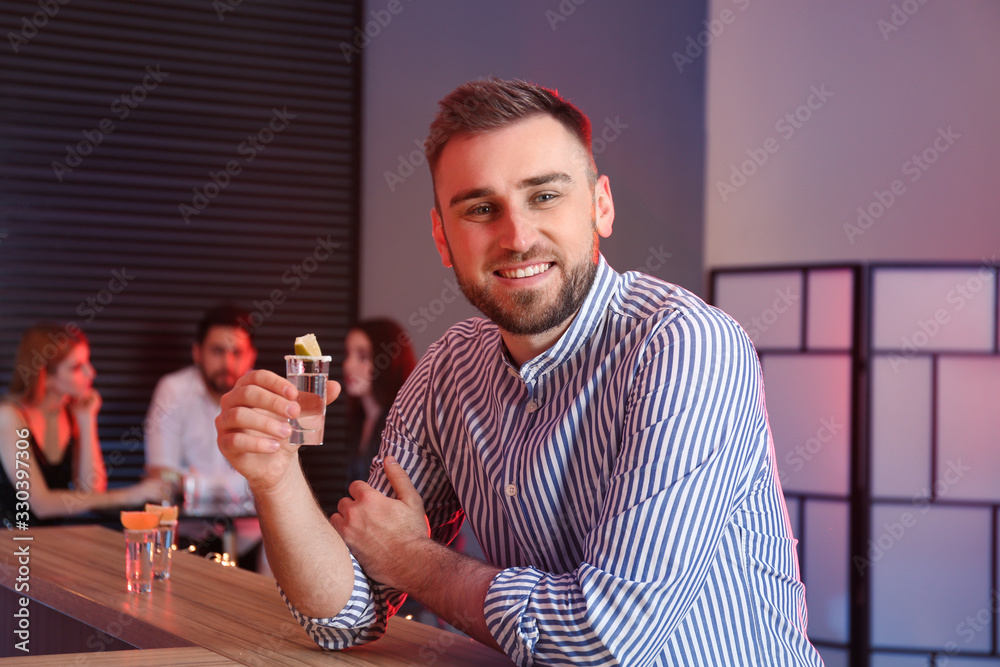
(822, 108)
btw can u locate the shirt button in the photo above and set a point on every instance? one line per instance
(510, 490)
(513, 373)
(531, 407)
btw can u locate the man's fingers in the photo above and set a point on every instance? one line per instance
(262, 379)
(401, 483)
(238, 442)
(254, 419)
(262, 399)
(332, 391)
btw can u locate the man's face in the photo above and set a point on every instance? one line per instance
(519, 222)
(224, 356)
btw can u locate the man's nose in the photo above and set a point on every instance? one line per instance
(518, 232)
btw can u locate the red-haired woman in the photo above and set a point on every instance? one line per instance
(50, 453)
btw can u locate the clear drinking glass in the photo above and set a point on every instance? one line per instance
(309, 375)
(162, 551)
(139, 547)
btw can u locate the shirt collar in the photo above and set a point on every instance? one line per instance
(581, 328)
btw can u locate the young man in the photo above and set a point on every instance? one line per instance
(180, 423)
(605, 435)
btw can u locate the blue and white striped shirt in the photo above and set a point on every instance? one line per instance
(624, 480)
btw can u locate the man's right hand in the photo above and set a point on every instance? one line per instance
(253, 435)
(253, 427)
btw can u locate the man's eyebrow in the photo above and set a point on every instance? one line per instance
(554, 177)
(474, 193)
(534, 181)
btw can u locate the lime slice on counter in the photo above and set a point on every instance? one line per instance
(307, 346)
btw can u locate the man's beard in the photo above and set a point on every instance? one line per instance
(217, 383)
(524, 314)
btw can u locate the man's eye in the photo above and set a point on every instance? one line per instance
(545, 197)
(481, 209)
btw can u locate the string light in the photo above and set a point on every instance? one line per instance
(222, 559)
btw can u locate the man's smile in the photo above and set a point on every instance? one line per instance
(524, 271)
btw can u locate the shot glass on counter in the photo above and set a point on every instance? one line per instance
(166, 532)
(140, 543)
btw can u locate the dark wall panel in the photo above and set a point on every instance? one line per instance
(157, 159)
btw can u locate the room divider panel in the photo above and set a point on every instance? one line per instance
(883, 390)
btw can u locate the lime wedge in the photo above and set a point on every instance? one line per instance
(307, 346)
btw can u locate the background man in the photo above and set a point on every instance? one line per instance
(180, 423)
(605, 435)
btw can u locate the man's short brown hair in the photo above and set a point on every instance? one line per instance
(489, 104)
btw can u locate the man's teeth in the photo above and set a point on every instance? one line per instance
(526, 272)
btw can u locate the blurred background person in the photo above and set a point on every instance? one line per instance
(53, 406)
(378, 357)
(181, 439)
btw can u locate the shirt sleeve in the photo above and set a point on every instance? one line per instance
(695, 435)
(365, 618)
(357, 623)
(162, 427)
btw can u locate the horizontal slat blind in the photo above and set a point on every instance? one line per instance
(158, 158)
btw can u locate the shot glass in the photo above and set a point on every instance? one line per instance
(163, 550)
(139, 547)
(309, 375)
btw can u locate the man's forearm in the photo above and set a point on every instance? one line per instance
(451, 584)
(307, 556)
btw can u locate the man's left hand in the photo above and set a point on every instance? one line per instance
(382, 532)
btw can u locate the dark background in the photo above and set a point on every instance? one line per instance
(158, 159)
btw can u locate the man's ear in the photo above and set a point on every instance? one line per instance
(604, 207)
(196, 354)
(437, 231)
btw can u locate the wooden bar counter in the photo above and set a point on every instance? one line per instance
(205, 613)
